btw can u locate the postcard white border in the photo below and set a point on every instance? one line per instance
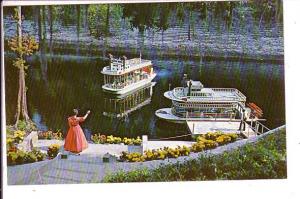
(288, 188)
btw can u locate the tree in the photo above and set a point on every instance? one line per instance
(22, 45)
(141, 16)
(164, 14)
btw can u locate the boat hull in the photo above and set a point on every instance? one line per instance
(167, 115)
(130, 87)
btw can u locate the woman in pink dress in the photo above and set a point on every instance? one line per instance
(75, 141)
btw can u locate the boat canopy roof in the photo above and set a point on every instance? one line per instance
(195, 92)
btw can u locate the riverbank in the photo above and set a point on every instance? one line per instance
(248, 42)
(90, 168)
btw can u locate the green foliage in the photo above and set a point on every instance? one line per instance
(21, 157)
(265, 159)
(102, 139)
(53, 150)
(204, 142)
(49, 135)
(96, 19)
(26, 126)
(141, 16)
(28, 45)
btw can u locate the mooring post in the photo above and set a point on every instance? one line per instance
(144, 142)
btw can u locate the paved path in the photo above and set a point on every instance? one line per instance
(89, 167)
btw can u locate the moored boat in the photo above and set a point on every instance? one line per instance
(194, 102)
(124, 75)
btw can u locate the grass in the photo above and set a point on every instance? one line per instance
(265, 159)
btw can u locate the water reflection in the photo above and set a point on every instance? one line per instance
(75, 82)
(120, 106)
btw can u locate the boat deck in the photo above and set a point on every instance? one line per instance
(202, 127)
(219, 95)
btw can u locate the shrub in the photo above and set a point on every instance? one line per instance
(18, 136)
(101, 139)
(127, 141)
(11, 157)
(265, 159)
(96, 138)
(184, 151)
(17, 157)
(48, 135)
(27, 127)
(149, 155)
(30, 157)
(132, 157)
(198, 147)
(137, 141)
(39, 155)
(53, 150)
(223, 139)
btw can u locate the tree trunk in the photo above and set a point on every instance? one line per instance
(78, 27)
(51, 29)
(86, 17)
(24, 98)
(44, 22)
(21, 102)
(107, 19)
(189, 26)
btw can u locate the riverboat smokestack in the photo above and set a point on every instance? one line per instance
(111, 57)
(124, 58)
(189, 84)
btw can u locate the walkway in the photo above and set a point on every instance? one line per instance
(89, 168)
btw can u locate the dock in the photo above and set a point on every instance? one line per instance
(203, 127)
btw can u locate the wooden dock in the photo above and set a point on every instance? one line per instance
(202, 127)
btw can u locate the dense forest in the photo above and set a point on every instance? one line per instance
(195, 28)
(97, 18)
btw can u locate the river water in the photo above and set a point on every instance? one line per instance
(64, 82)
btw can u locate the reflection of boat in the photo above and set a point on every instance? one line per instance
(123, 75)
(118, 106)
(198, 103)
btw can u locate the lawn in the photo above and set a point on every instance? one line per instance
(265, 159)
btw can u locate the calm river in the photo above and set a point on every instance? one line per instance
(66, 82)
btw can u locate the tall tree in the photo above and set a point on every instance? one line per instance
(107, 19)
(164, 14)
(22, 45)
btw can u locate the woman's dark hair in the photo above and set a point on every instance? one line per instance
(75, 111)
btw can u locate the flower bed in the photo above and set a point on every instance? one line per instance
(49, 135)
(204, 142)
(103, 139)
(53, 150)
(15, 138)
(16, 157)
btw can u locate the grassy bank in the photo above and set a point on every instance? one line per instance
(265, 159)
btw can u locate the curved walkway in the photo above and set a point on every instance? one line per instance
(89, 168)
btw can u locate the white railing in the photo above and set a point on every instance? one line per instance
(132, 67)
(181, 92)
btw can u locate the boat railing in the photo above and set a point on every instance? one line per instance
(200, 105)
(257, 127)
(180, 92)
(190, 115)
(133, 61)
(133, 65)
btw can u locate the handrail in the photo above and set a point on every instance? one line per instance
(180, 92)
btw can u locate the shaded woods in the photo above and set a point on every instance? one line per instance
(171, 28)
